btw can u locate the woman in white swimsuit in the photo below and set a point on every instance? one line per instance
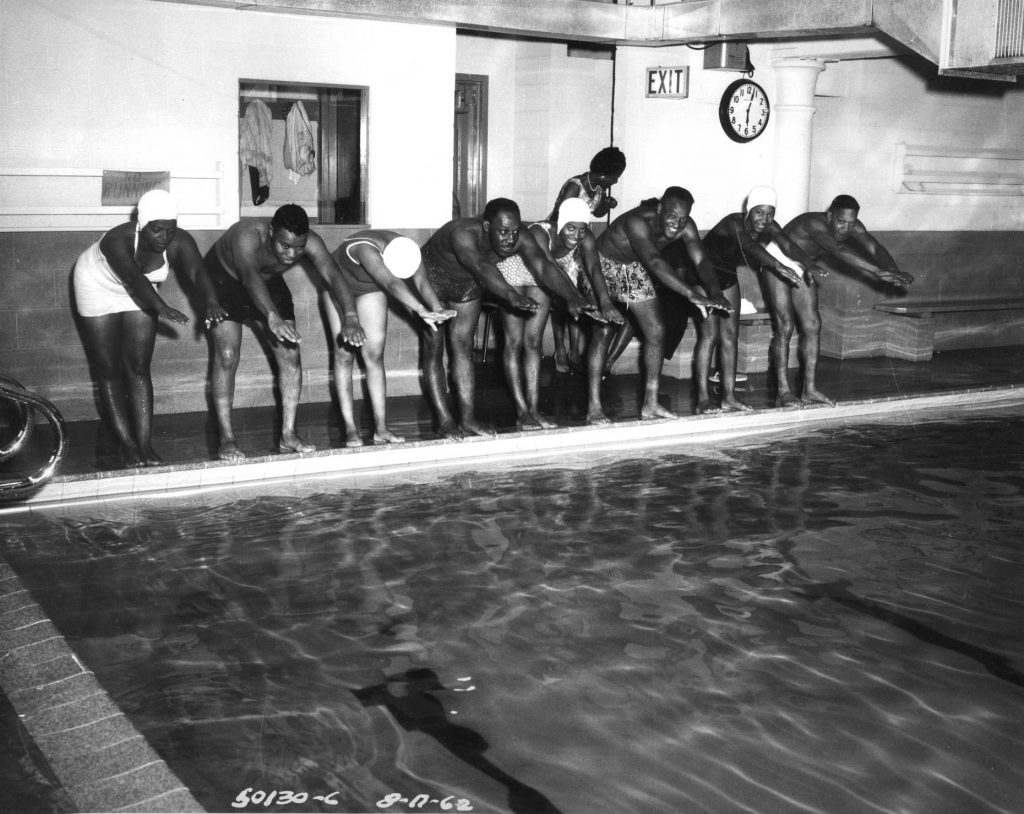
(115, 282)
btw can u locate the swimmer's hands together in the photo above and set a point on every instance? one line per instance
(895, 277)
(435, 318)
(281, 329)
(521, 302)
(172, 314)
(612, 314)
(215, 315)
(791, 276)
(705, 304)
(813, 271)
(591, 310)
(351, 330)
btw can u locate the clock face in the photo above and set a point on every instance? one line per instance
(744, 110)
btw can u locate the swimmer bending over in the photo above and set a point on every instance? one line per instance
(630, 255)
(834, 240)
(246, 266)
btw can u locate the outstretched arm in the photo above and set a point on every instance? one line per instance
(639, 234)
(764, 259)
(861, 252)
(245, 248)
(341, 291)
(184, 256)
(550, 275)
(705, 273)
(592, 268)
(464, 243)
(370, 258)
(886, 269)
(119, 251)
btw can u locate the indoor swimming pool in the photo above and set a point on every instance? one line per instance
(822, 621)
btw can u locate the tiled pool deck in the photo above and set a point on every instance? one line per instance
(98, 759)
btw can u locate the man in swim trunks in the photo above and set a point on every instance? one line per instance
(630, 255)
(461, 260)
(738, 239)
(834, 235)
(246, 265)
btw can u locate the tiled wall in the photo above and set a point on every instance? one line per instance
(949, 266)
(40, 344)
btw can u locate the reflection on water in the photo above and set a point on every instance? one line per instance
(829, 624)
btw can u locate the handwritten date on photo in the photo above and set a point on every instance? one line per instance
(257, 797)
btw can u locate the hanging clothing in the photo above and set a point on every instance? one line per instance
(299, 152)
(254, 141)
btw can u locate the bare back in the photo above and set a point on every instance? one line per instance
(458, 241)
(246, 244)
(807, 231)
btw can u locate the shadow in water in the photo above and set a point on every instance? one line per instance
(838, 591)
(417, 710)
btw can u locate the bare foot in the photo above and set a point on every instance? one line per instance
(473, 428)
(150, 458)
(451, 430)
(707, 406)
(290, 442)
(387, 437)
(229, 451)
(561, 362)
(131, 458)
(526, 421)
(648, 412)
(787, 399)
(352, 439)
(813, 395)
(734, 405)
(544, 423)
(597, 417)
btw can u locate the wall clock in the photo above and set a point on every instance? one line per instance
(744, 110)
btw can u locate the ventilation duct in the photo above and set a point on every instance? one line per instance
(982, 38)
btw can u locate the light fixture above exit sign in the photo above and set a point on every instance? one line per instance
(668, 83)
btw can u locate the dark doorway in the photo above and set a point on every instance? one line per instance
(470, 160)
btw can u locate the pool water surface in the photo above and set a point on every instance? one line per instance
(818, 623)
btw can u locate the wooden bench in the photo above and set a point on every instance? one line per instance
(913, 338)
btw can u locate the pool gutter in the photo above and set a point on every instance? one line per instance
(100, 759)
(373, 461)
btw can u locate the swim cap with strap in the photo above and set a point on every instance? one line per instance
(402, 257)
(157, 204)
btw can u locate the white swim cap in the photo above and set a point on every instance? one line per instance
(157, 204)
(572, 210)
(761, 196)
(402, 257)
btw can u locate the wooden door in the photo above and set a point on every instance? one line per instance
(469, 187)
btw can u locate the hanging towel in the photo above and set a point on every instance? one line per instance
(299, 154)
(254, 141)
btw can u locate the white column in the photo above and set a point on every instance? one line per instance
(795, 79)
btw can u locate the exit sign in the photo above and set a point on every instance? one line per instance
(668, 83)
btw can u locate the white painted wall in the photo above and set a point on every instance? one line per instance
(548, 113)
(121, 84)
(679, 142)
(866, 107)
(863, 109)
